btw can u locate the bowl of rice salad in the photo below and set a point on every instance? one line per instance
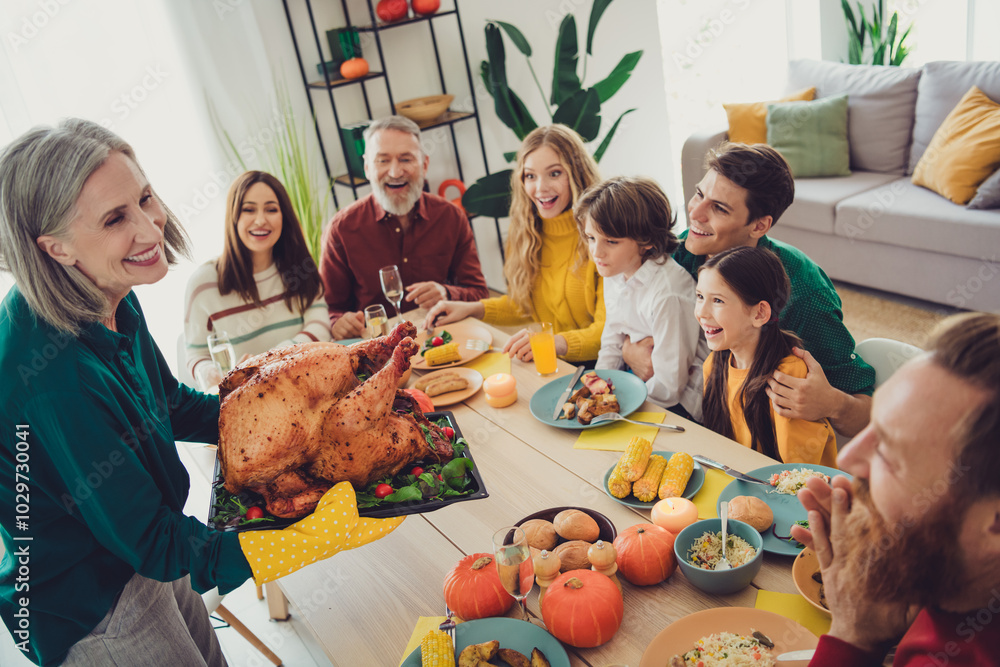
(699, 546)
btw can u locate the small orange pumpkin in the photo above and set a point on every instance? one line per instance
(473, 590)
(645, 554)
(355, 68)
(583, 608)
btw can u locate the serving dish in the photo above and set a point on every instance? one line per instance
(608, 530)
(478, 490)
(680, 636)
(693, 486)
(630, 390)
(718, 582)
(461, 332)
(511, 633)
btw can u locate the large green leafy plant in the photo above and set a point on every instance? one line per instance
(886, 44)
(569, 103)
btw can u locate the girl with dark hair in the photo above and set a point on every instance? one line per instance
(740, 294)
(264, 291)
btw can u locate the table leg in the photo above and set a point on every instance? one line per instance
(277, 605)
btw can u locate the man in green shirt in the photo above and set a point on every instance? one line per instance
(744, 192)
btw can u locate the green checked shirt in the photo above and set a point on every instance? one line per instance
(103, 487)
(813, 312)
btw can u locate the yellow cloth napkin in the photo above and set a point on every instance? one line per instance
(490, 363)
(615, 437)
(707, 499)
(424, 625)
(795, 607)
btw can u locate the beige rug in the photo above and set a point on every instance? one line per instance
(882, 315)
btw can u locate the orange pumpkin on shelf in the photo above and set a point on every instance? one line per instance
(425, 7)
(583, 608)
(355, 68)
(473, 590)
(645, 554)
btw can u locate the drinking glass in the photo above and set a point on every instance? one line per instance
(514, 564)
(221, 349)
(392, 286)
(376, 321)
(543, 347)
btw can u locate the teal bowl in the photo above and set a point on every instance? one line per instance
(719, 582)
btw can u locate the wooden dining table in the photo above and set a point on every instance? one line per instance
(362, 605)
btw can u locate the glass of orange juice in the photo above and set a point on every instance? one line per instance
(543, 347)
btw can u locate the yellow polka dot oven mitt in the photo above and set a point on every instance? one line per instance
(332, 527)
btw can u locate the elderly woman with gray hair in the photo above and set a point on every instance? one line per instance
(99, 560)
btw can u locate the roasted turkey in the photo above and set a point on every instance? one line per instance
(296, 420)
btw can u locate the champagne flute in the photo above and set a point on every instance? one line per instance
(514, 564)
(376, 321)
(222, 351)
(392, 286)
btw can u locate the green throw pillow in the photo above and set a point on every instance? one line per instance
(812, 136)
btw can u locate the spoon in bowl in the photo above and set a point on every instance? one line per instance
(723, 564)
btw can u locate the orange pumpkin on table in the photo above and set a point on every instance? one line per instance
(473, 590)
(355, 68)
(645, 554)
(583, 608)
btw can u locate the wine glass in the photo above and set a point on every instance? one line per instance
(221, 349)
(376, 321)
(392, 286)
(514, 564)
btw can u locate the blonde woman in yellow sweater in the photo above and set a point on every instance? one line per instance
(550, 277)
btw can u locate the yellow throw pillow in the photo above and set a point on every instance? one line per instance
(965, 150)
(748, 122)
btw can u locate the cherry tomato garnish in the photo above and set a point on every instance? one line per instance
(254, 513)
(383, 490)
(417, 471)
(437, 340)
(440, 477)
(449, 432)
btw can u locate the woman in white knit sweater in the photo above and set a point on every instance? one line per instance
(264, 291)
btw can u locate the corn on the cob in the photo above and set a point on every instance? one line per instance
(636, 457)
(442, 354)
(645, 488)
(617, 484)
(676, 476)
(436, 650)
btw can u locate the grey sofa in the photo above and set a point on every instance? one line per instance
(875, 227)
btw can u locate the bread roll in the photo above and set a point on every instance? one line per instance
(576, 525)
(573, 555)
(541, 534)
(752, 510)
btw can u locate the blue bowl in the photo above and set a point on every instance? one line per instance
(719, 582)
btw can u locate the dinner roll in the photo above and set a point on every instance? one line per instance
(752, 510)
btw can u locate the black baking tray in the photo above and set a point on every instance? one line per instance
(396, 509)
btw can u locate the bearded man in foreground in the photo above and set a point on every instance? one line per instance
(911, 548)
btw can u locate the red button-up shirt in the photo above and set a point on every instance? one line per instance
(362, 238)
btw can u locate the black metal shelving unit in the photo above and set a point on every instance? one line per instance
(375, 28)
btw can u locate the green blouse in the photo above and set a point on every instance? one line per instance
(103, 488)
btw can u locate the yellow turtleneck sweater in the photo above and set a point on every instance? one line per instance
(573, 300)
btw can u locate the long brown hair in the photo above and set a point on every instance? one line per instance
(524, 238)
(756, 275)
(291, 255)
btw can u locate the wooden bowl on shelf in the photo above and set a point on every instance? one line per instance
(424, 109)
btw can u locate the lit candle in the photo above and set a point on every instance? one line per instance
(674, 514)
(500, 390)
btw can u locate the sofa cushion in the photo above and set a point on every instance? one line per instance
(988, 194)
(880, 106)
(965, 150)
(816, 199)
(942, 85)
(748, 122)
(811, 136)
(901, 213)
